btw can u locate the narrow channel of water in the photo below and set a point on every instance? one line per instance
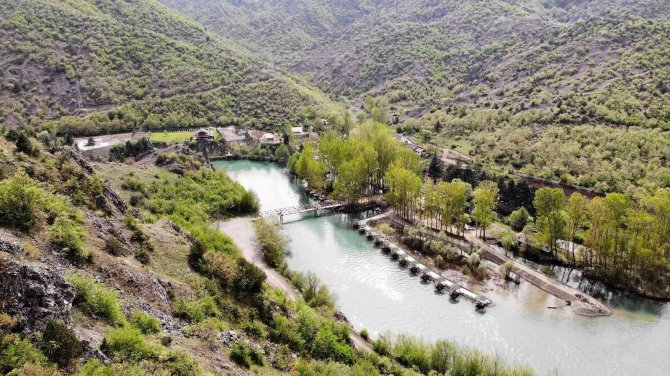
(377, 294)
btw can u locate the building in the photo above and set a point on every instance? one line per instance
(233, 135)
(269, 139)
(298, 132)
(203, 135)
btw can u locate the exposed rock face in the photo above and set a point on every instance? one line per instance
(33, 293)
(11, 247)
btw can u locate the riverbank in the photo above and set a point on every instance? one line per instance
(242, 232)
(580, 302)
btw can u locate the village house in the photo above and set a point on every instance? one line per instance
(203, 135)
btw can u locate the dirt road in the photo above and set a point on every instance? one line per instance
(242, 231)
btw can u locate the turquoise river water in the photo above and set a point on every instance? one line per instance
(376, 294)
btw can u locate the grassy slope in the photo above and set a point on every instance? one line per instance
(76, 57)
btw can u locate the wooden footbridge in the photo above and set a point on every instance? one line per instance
(442, 284)
(310, 208)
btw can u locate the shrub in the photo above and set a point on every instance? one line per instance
(207, 329)
(114, 246)
(179, 363)
(69, 235)
(22, 202)
(244, 355)
(249, 279)
(519, 218)
(196, 310)
(127, 343)
(95, 298)
(272, 243)
(365, 334)
(255, 329)
(60, 344)
(18, 352)
(30, 369)
(240, 354)
(146, 323)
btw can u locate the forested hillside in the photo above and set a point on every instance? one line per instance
(502, 81)
(71, 58)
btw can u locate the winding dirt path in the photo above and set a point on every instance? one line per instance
(242, 232)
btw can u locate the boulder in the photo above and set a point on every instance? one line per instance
(34, 293)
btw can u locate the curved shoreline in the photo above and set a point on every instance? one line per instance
(241, 231)
(580, 302)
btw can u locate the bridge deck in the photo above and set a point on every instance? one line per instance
(299, 209)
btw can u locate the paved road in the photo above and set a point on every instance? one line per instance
(242, 232)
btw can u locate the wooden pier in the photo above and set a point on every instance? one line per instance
(442, 284)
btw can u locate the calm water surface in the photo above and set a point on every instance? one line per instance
(377, 294)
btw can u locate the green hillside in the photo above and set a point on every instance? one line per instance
(73, 58)
(495, 79)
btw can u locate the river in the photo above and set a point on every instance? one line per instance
(382, 297)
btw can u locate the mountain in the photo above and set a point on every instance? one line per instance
(497, 80)
(74, 58)
(283, 32)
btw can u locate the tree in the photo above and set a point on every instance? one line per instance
(485, 198)
(404, 190)
(351, 180)
(550, 205)
(519, 219)
(576, 212)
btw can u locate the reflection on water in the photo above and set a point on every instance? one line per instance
(377, 294)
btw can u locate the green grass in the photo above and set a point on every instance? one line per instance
(171, 137)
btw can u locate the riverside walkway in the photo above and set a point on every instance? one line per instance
(427, 274)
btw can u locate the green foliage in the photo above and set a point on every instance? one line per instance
(17, 352)
(146, 323)
(196, 310)
(95, 298)
(244, 355)
(272, 243)
(69, 235)
(60, 344)
(128, 343)
(22, 202)
(519, 219)
(255, 329)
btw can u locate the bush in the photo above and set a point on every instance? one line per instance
(240, 354)
(60, 344)
(114, 246)
(519, 219)
(22, 202)
(18, 352)
(127, 343)
(254, 329)
(68, 234)
(249, 279)
(95, 298)
(30, 369)
(196, 310)
(272, 243)
(365, 334)
(146, 323)
(207, 329)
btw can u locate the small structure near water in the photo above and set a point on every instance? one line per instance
(427, 274)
